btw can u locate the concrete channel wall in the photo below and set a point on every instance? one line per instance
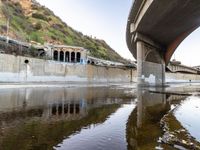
(182, 77)
(25, 69)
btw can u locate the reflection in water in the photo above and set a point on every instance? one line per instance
(143, 128)
(109, 135)
(57, 101)
(86, 118)
(188, 113)
(42, 118)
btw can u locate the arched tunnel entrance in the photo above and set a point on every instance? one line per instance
(72, 56)
(67, 56)
(61, 56)
(55, 55)
(78, 57)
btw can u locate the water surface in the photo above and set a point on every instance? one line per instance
(98, 117)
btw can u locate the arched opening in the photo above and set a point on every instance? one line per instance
(61, 56)
(66, 108)
(73, 57)
(41, 52)
(153, 56)
(54, 109)
(78, 57)
(55, 55)
(67, 57)
(89, 62)
(60, 109)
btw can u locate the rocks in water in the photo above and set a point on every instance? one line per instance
(175, 135)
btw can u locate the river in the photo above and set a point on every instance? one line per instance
(99, 117)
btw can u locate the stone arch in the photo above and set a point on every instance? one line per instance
(78, 57)
(55, 55)
(61, 56)
(153, 56)
(67, 54)
(89, 62)
(41, 52)
(72, 56)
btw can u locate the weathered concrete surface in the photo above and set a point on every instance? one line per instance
(150, 64)
(14, 69)
(182, 77)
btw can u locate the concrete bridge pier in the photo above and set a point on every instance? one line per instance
(150, 62)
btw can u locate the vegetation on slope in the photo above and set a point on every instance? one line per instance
(29, 21)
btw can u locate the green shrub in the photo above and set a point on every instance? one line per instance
(34, 36)
(40, 16)
(38, 26)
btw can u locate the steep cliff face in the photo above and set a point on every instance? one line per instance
(29, 21)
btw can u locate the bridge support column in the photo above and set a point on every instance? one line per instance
(150, 63)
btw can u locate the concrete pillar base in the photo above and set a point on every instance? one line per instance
(150, 64)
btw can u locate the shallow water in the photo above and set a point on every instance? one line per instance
(98, 117)
(188, 114)
(111, 134)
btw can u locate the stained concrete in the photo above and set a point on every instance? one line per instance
(14, 69)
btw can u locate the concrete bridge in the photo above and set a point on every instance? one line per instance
(155, 29)
(174, 67)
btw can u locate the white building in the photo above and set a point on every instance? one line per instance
(70, 54)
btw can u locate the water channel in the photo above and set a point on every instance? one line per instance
(100, 117)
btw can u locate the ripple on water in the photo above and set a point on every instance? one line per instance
(188, 114)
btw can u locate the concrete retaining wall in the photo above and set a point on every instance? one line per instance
(14, 69)
(182, 77)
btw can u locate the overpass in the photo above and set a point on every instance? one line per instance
(178, 67)
(155, 29)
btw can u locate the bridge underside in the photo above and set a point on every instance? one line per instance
(163, 25)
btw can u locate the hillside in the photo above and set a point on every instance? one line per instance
(29, 21)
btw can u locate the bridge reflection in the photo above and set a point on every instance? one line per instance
(42, 118)
(143, 127)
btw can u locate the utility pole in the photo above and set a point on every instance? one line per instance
(7, 24)
(7, 30)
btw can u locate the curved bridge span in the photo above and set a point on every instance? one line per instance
(155, 29)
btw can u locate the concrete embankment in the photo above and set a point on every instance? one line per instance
(182, 77)
(25, 69)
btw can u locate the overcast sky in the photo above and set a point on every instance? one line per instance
(106, 19)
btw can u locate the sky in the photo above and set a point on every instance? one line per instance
(107, 19)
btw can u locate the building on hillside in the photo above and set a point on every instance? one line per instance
(60, 53)
(64, 53)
